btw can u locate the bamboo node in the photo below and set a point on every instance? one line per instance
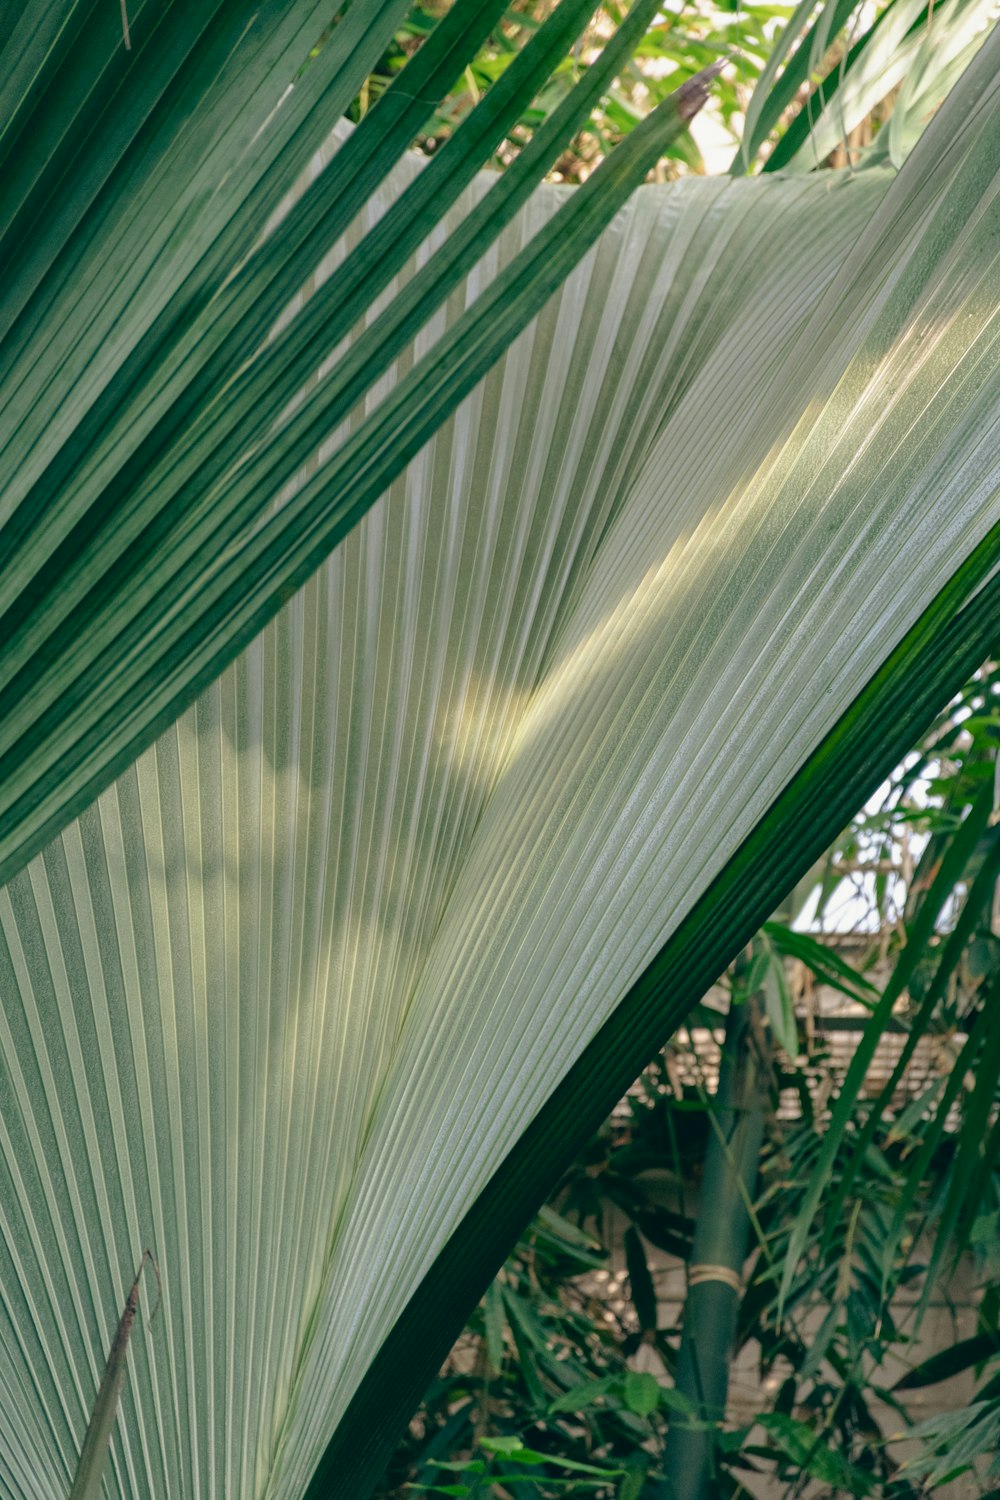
(706, 1272)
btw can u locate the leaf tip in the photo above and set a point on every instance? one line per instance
(693, 95)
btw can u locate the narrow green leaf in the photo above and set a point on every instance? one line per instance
(821, 1343)
(459, 1490)
(961, 1356)
(502, 1446)
(807, 1449)
(953, 867)
(775, 91)
(875, 63)
(513, 1450)
(676, 1401)
(89, 1478)
(493, 1318)
(825, 962)
(778, 1002)
(640, 1281)
(579, 1397)
(633, 1484)
(768, 87)
(974, 1162)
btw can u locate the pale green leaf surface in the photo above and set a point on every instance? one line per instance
(280, 1002)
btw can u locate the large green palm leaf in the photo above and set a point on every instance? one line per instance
(284, 1001)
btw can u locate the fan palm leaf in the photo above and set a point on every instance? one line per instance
(302, 1000)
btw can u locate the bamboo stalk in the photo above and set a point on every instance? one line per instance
(712, 1303)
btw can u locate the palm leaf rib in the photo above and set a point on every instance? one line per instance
(314, 996)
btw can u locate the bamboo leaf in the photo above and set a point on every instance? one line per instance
(918, 934)
(961, 1356)
(824, 962)
(580, 1396)
(808, 1450)
(641, 1285)
(778, 1002)
(642, 1392)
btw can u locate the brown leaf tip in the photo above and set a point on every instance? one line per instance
(692, 95)
(150, 1258)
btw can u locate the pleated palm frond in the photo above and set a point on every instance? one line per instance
(310, 1000)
